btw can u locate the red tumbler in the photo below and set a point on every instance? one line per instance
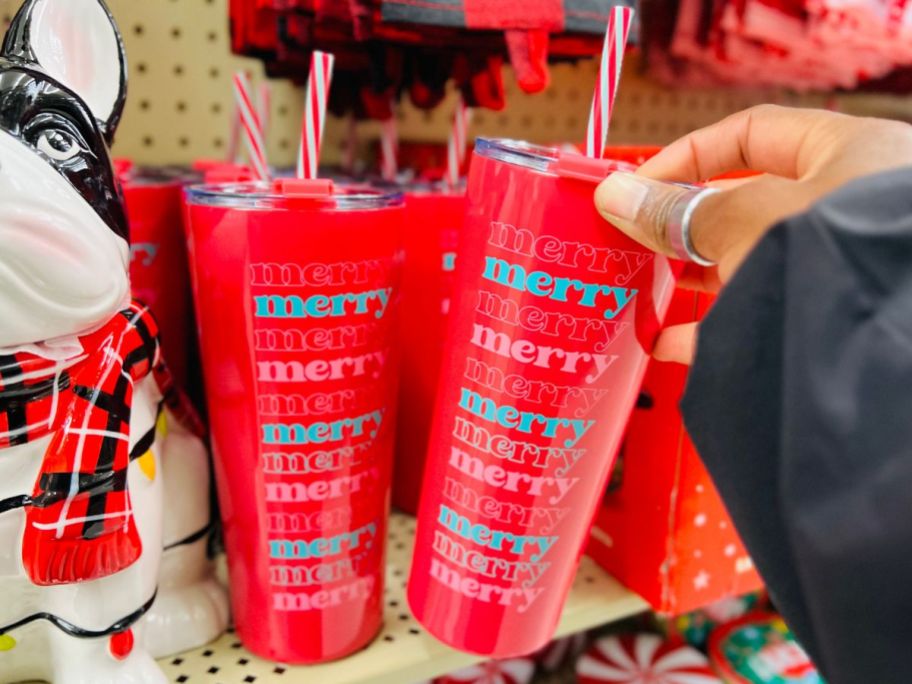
(434, 215)
(548, 339)
(158, 257)
(296, 295)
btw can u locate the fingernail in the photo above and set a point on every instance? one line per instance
(621, 195)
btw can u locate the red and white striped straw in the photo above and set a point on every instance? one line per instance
(389, 148)
(321, 70)
(606, 84)
(252, 125)
(456, 146)
(234, 137)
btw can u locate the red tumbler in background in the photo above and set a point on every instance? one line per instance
(158, 257)
(296, 295)
(434, 215)
(547, 345)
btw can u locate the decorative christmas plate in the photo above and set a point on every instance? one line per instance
(511, 671)
(643, 659)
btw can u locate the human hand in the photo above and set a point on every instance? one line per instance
(804, 154)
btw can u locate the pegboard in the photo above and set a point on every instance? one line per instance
(180, 100)
(181, 103)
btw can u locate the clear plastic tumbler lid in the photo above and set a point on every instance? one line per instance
(518, 152)
(281, 194)
(436, 187)
(549, 160)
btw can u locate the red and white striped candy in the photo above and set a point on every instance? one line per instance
(553, 656)
(512, 671)
(643, 659)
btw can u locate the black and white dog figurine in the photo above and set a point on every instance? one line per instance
(64, 258)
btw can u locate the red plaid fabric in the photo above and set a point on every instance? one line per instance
(79, 522)
(579, 16)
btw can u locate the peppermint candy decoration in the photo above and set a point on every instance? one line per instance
(553, 656)
(643, 659)
(512, 671)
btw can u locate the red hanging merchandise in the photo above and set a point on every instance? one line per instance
(529, 57)
(584, 16)
(802, 44)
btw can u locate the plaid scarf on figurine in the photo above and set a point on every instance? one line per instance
(79, 522)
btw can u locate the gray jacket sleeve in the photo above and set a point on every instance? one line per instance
(800, 403)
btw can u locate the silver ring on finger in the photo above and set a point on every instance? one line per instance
(679, 221)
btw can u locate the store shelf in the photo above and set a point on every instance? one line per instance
(403, 653)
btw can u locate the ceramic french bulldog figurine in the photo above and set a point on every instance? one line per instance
(104, 500)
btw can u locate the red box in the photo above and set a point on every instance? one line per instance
(663, 530)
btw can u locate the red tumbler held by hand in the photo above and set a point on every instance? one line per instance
(554, 313)
(434, 215)
(296, 287)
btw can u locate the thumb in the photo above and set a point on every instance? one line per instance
(641, 207)
(724, 224)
